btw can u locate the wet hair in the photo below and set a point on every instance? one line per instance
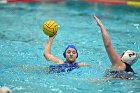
(70, 46)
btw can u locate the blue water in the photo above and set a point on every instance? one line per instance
(22, 43)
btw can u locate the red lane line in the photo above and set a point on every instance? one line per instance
(55, 0)
(13, 1)
(98, 1)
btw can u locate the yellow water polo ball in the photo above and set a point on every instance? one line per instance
(50, 27)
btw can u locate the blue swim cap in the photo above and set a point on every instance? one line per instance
(70, 46)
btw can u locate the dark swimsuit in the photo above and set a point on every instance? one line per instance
(128, 68)
(126, 74)
(65, 67)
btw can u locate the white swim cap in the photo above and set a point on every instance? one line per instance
(5, 90)
(129, 57)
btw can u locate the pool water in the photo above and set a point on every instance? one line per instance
(22, 43)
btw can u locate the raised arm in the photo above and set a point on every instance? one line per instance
(113, 56)
(47, 52)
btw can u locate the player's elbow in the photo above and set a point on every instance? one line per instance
(46, 55)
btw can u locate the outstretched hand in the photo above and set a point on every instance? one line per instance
(98, 21)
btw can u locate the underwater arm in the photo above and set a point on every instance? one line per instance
(47, 52)
(114, 58)
(83, 64)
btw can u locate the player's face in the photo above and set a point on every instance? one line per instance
(71, 55)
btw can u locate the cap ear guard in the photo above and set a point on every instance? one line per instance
(64, 54)
(129, 57)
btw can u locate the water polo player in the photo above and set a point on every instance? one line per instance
(70, 54)
(121, 64)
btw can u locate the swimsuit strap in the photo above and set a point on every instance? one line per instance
(71, 64)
